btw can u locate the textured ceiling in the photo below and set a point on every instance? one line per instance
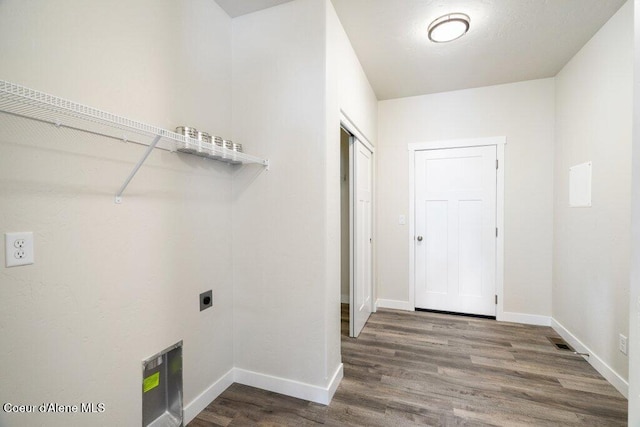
(509, 40)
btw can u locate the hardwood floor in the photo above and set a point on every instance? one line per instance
(440, 370)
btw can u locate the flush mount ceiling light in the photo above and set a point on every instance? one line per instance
(449, 27)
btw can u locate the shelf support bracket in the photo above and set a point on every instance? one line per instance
(136, 167)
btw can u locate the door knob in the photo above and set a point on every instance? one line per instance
(419, 238)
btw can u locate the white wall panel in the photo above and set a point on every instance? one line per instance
(592, 245)
(280, 216)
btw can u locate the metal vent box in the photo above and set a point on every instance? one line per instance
(162, 389)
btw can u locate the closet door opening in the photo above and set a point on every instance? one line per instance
(357, 227)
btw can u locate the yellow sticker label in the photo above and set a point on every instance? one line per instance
(151, 382)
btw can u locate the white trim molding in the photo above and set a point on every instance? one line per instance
(312, 393)
(351, 127)
(334, 383)
(457, 143)
(394, 304)
(203, 400)
(525, 318)
(594, 360)
(499, 142)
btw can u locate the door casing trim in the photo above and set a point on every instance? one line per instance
(499, 142)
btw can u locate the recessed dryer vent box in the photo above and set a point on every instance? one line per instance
(162, 389)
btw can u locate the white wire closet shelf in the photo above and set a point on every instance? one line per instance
(32, 104)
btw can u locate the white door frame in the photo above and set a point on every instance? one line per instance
(499, 142)
(350, 127)
(346, 123)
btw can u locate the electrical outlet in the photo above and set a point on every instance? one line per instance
(622, 344)
(18, 249)
(206, 300)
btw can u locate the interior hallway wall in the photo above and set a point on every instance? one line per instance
(280, 217)
(290, 84)
(592, 245)
(350, 97)
(524, 113)
(113, 284)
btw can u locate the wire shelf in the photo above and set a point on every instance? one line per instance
(32, 104)
(24, 102)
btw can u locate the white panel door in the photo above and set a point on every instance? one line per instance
(455, 203)
(361, 303)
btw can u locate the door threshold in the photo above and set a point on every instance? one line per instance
(453, 313)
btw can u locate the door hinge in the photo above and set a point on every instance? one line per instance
(496, 231)
(496, 164)
(496, 299)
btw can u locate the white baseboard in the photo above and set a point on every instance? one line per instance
(334, 383)
(266, 382)
(291, 388)
(594, 360)
(394, 304)
(206, 397)
(344, 299)
(527, 319)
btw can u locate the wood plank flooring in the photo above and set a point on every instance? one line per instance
(420, 368)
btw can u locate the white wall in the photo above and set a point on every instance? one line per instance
(290, 84)
(354, 95)
(634, 288)
(591, 245)
(349, 97)
(280, 216)
(113, 284)
(524, 113)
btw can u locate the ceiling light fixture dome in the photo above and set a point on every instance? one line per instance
(449, 27)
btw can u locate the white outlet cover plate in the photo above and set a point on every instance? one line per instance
(14, 245)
